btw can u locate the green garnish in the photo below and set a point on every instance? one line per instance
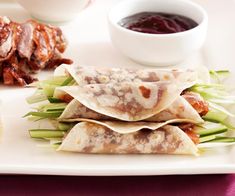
(38, 96)
(46, 133)
(67, 81)
(219, 75)
(65, 126)
(56, 80)
(215, 116)
(52, 107)
(54, 100)
(202, 131)
(54, 114)
(223, 139)
(206, 138)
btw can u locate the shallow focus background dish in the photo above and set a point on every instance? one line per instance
(54, 10)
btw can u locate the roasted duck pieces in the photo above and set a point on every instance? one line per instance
(26, 48)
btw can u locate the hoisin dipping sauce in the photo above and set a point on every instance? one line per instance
(157, 23)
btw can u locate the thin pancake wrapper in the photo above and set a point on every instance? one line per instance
(128, 101)
(84, 75)
(179, 109)
(127, 138)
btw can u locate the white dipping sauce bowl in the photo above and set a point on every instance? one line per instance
(54, 10)
(157, 49)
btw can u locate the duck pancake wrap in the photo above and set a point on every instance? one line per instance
(127, 138)
(128, 101)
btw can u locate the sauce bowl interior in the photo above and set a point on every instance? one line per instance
(180, 7)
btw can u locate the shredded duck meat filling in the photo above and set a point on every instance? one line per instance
(26, 48)
(188, 128)
(66, 98)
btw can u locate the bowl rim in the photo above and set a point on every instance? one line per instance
(204, 21)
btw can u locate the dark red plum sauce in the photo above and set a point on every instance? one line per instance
(157, 23)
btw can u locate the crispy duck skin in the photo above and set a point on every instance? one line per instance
(26, 48)
(197, 102)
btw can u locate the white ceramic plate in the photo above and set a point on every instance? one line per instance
(89, 44)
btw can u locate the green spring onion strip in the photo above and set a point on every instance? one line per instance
(215, 116)
(67, 81)
(220, 109)
(223, 139)
(54, 114)
(55, 80)
(46, 133)
(56, 145)
(228, 125)
(35, 118)
(211, 131)
(46, 89)
(38, 96)
(216, 93)
(65, 126)
(219, 75)
(54, 100)
(209, 86)
(207, 138)
(48, 86)
(51, 110)
(52, 107)
(218, 139)
(218, 117)
(215, 96)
